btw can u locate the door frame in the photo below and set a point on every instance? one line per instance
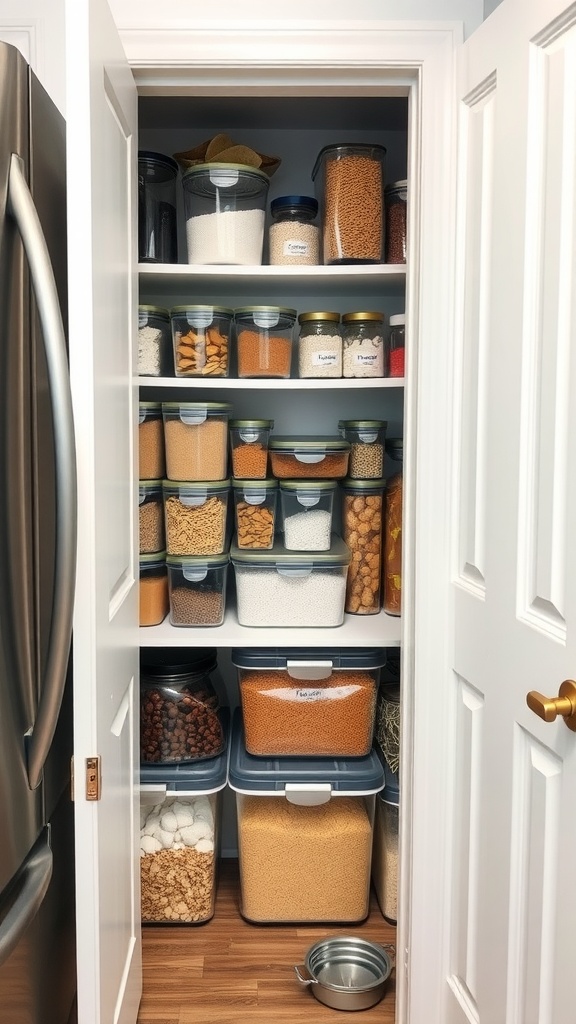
(414, 59)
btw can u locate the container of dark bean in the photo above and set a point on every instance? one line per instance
(180, 717)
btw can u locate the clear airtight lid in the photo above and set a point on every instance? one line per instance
(269, 317)
(159, 311)
(277, 557)
(157, 559)
(195, 486)
(194, 413)
(160, 168)
(197, 562)
(375, 486)
(296, 660)
(345, 149)
(308, 444)
(362, 424)
(241, 179)
(202, 310)
(149, 489)
(149, 411)
(308, 486)
(251, 424)
(253, 486)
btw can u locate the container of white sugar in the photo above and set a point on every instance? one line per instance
(307, 514)
(225, 208)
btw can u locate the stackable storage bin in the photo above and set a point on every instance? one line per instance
(309, 457)
(385, 859)
(195, 516)
(197, 589)
(249, 448)
(151, 516)
(304, 835)
(154, 342)
(180, 812)
(201, 336)
(255, 513)
(366, 439)
(151, 458)
(264, 340)
(307, 507)
(314, 702)
(196, 438)
(225, 207)
(153, 589)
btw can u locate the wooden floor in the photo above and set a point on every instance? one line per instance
(227, 970)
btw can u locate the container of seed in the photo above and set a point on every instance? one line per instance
(307, 507)
(201, 336)
(196, 438)
(151, 516)
(249, 446)
(366, 439)
(154, 348)
(151, 459)
(264, 340)
(255, 509)
(153, 589)
(197, 589)
(195, 516)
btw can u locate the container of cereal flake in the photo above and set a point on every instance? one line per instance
(197, 589)
(255, 512)
(320, 345)
(385, 853)
(151, 458)
(305, 829)
(196, 439)
(201, 337)
(249, 448)
(225, 208)
(153, 589)
(366, 439)
(289, 588)
(362, 517)
(195, 516)
(349, 181)
(264, 340)
(303, 455)
(154, 343)
(317, 702)
(363, 345)
(294, 239)
(307, 508)
(180, 814)
(151, 516)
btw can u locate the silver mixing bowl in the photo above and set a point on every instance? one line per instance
(346, 973)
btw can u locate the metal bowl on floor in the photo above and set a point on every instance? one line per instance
(346, 973)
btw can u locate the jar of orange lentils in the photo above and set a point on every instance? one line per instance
(249, 446)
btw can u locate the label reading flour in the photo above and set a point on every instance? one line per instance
(295, 247)
(324, 358)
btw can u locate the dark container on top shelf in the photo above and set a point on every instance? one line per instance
(157, 241)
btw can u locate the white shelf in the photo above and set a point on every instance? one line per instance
(176, 278)
(267, 384)
(358, 631)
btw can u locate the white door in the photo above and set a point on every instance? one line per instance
(512, 932)
(102, 148)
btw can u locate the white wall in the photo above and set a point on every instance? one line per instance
(490, 5)
(36, 27)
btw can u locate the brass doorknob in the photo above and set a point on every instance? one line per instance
(549, 708)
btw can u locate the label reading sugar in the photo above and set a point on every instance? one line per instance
(295, 247)
(322, 358)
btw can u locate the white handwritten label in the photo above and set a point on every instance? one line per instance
(294, 247)
(321, 358)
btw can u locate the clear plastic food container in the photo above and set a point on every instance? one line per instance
(309, 457)
(180, 708)
(320, 345)
(153, 589)
(202, 339)
(307, 508)
(196, 438)
(180, 816)
(392, 568)
(308, 702)
(249, 444)
(288, 588)
(366, 439)
(305, 831)
(151, 516)
(396, 206)
(157, 236)
(197, 587)
(349, 182)
(225, 208)
(154, 343)
(255, 510)
(264, 340)
(362, 529)
(385, 854)
(151, 458)
(397, 345)
(195, 515)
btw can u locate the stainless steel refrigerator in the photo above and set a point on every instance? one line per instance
(37, 560)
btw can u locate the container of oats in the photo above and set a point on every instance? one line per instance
(197, 589)
(366, 439)
(349, 181)
(304, 834)
(195, 516)
(196, 440)
(201, 337)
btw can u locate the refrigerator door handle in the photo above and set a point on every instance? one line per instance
(21, 206)
(32, 881)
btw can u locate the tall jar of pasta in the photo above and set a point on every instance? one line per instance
(392, 571)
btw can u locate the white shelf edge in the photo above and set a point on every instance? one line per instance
(270, 384)
(350, 272)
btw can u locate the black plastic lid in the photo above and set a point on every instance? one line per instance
(159, 158)
(166, 664)
(279, 657)
(206, 776)
(306, 203)
(395, 448)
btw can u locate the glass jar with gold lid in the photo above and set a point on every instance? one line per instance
(320, 345)
(364, 350)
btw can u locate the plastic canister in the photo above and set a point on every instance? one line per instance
(225, 208)
(392, 561)
(385, 855)
(157, 240)
(362, 522)
(264, 340)
(307, 508)
(349, 180)
(366, 439)
(395, 201)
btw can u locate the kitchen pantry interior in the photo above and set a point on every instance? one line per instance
(294, 129)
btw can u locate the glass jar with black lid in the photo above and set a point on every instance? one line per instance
(293, 237)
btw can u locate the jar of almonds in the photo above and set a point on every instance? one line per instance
(201, 337)
(362, 532)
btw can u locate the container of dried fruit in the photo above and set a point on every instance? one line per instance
(385, 853)
(309, 457)
(151, 456)
(305, 828)
(317, 702)
(249, 447)
(197, 589)
(201, 338)
(195, 516)
(362, 517)
(151, 516)
(349, 181)
(307, 512)
(153, 589)
(264, 340)
(255, 512)
(196, 440)
(366, 439)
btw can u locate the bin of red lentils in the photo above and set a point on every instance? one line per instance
(151, 516)
(255, 511)
(195, 516)
(362, 530)
(196, 439)
(305, 830)
(366, 439)
(264, 340)
(349, 183)
(153, 589)
(202, 337)
(309, 457)
(249, 447)
(310, 703)
(151, 460)
(197, 589)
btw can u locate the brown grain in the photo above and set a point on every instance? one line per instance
(260, 355)
(249, 461)
(195, 529)
(153, 600)
(353, 226)
(196, 451)
(191, 606)
(363, 535)
(286, 467)
(151, 449)
(151, 519)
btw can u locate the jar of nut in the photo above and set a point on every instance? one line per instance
(362, 531)
(201, 337)
(366, 439)
(179, 705)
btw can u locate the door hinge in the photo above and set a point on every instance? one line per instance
(93, 778)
